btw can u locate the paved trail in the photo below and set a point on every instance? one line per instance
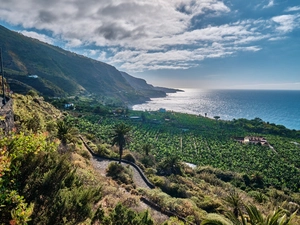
(102, 164)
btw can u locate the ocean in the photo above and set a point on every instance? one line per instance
(279, 107)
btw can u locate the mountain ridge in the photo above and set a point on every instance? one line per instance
(58, 72)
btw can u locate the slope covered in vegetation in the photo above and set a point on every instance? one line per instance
(266, 176)
(47, 175)
(52, 71)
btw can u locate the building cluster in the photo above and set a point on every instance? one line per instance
(252, 140)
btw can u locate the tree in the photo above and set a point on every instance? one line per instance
(147, 148)
(235, 202)
(258, 179)
(170, 165)
(143, 116)
(255, 217)
(65, 132)
(120, 137)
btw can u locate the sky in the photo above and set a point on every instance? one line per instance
(205, 44)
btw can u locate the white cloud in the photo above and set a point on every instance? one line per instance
(270, 4)
(292, 9)
(72, 43)
(287, 23)
(142, 35)
(277, 38)
(41, 37)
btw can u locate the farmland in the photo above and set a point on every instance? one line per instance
(203, 141)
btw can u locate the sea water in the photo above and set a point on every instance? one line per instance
(279, 107)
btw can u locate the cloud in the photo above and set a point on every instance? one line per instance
(270, 4)
(292, 9)
(287, 23)
(41, 37)
(139, 35)
(277, 38)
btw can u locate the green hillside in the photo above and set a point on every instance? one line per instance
(59, 72)
(47, 175)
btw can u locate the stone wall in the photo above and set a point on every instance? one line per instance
(7, 116)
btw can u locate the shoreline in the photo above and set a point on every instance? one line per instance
(232, 105)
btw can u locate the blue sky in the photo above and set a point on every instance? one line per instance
(180, 43)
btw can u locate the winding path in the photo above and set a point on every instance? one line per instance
(139, 178)
(101, 165)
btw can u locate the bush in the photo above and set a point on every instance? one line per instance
(103, 150)
(157, 180)
(258, 196)
(129, 157)
(211, 179)
(148, 161)
(32, 93)
(120, 173)
(150, 171)
(209, 205)
(121, 215)
(85, 154)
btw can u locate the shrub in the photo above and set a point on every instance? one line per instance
(103, 150)
(32, 93)
(85, 154)
(120, 173)
(258, 196)
(211, 179)
(209, 205)
(157, 180)
(129, 157)
(150, 171)
(121, 215)
(148, 161)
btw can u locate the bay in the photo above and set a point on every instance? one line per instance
(274, 106)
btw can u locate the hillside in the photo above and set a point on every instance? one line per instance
(147, 89)
(49, 177)
(52, 71)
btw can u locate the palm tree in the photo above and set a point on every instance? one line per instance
(278, 217)
(171, 165)
(62, 131)
(120, 137)
(66, 132)
(147, 148)
(235, 202)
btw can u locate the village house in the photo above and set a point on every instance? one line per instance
(69, 105)
(252, 140)
(135, 118)
(162, 110)
(33, 76)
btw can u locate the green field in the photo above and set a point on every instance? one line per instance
(203, 141)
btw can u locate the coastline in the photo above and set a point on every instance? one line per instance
(166, 91)
(274, 107)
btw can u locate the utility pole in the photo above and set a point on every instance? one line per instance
(2, 73)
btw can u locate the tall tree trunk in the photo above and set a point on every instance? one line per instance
(121, 152)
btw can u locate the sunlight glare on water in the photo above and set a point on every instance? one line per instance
(280, 107)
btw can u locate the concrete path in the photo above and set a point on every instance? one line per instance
(102, 164)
